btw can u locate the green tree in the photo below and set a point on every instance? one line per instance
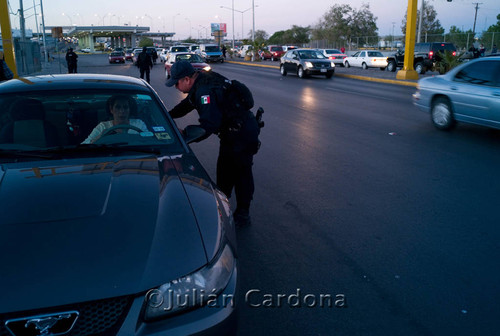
(496, 27)
(430, 24)
(294, 35)
(342, 22)
(145, 42)
(461, 39)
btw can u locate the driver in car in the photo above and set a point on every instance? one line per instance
(120, 107)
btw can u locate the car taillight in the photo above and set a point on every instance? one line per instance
(454, 53)
(431, 53)
(331, 57)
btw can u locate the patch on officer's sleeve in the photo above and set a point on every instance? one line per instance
(205, 99)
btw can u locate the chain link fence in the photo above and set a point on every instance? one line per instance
(462, 41)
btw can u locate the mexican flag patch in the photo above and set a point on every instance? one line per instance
(205, 99)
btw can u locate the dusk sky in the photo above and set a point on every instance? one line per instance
(193, 17)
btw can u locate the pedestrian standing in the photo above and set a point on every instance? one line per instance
(342, 50)
(237, 128)
(71, 60)
(494, 50)
(5, 72)
(145, 63)
(224, 50)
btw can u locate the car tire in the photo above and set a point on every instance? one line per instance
(272, 59)
(382, 69)
(420, 68)
(391, 66)
(166, 74)
(329, 75)
(300, 72)
(282, 70)
(222, 60)
(442, 114)
(346, 64)
(364, 66)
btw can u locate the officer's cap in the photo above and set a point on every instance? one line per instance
(179, 70)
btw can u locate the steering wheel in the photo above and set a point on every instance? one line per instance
(123, 126)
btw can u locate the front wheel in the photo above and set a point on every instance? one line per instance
(364, 66)
(442, 114)
(329, 75)
(346, 64)
(282, 70)
(300, 72)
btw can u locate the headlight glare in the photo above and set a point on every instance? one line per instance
(193, 290)
(308, 64)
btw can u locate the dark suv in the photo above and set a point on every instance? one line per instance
(425, 56)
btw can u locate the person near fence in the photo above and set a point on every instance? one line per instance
(5, 72)
(71, 60)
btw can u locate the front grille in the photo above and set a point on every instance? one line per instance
(97, 318)
(321, 65)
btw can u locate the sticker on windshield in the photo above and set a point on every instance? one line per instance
(158, 128)
(163, 136)
(146, 134)
(143, 97)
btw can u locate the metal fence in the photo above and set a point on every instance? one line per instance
(462, 41)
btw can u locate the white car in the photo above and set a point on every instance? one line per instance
(335, 55)
(163, 55)
(366, 59)
(85, 50)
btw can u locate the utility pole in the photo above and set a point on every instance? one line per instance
(475, 18)
(420, 22)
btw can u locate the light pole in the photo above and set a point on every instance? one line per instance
(173, 24)
(206, 31)
(69, 17)
(189, 27)
(235, 10)
(253, 19)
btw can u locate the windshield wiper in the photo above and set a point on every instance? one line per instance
(20, 153)
(92, 148)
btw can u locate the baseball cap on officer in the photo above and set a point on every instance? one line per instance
(179, 70)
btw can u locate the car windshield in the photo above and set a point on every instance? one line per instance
(177, 49)
(332, 51)
(311, 54)
(212, 48)
(78, 118)
(192, 58)
(116, 53)
(375, 54)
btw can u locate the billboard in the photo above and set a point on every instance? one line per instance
(218, 26)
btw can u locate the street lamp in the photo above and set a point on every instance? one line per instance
(189, 27)
(69, 17)
(235, 10)
(206, 31)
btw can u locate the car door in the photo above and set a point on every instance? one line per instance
(475, 93)
(361, 58)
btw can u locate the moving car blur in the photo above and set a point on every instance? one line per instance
(469, 93)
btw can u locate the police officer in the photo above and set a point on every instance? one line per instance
(71, 60)
(238, 131)
(144, 63)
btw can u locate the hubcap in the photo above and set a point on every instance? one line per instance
(441, 115)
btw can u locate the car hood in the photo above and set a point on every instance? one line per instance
(74, 232)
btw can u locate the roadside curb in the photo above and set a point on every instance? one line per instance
(365, 78)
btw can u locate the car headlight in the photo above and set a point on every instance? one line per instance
(207, 68)
(193, 290)
(308, 64)
(332, 64)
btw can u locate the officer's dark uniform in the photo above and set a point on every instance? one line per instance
(238, 138)
(71, 59)
(145, 64)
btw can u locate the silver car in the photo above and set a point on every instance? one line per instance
(468, 93)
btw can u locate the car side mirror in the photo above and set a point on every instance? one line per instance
(193, 133)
